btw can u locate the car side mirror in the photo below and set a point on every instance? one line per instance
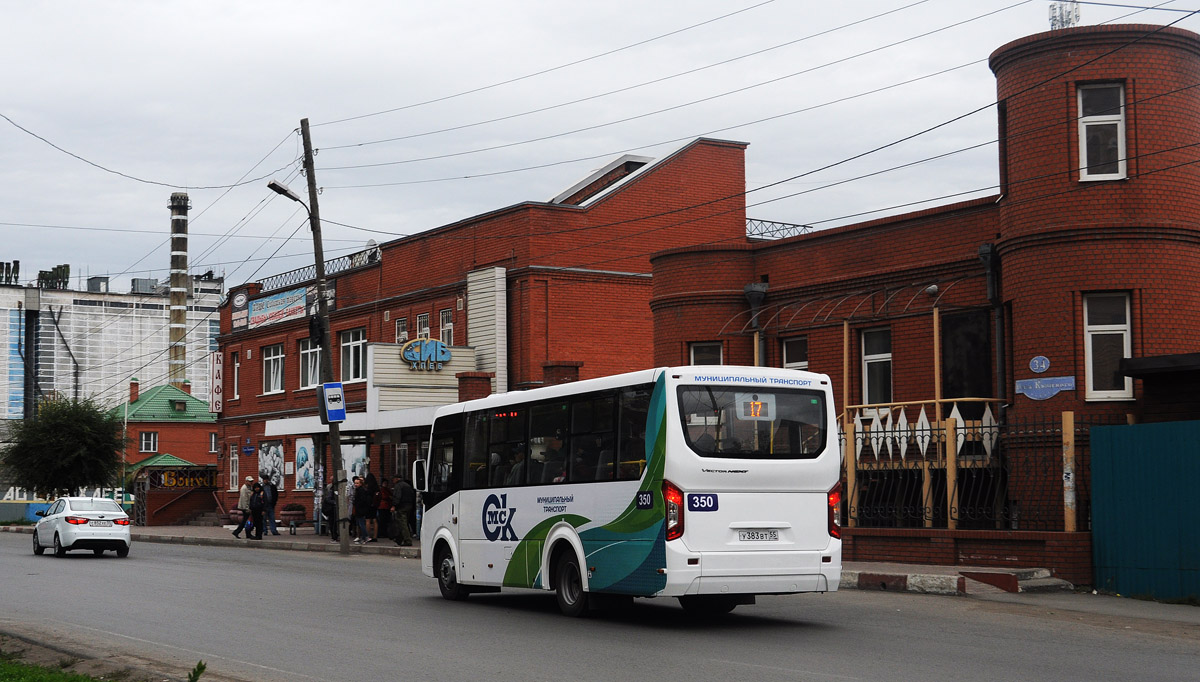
(39, 513)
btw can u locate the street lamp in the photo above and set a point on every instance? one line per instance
(335, 432)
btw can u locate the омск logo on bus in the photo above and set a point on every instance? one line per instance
(426, 354)
(497, 518)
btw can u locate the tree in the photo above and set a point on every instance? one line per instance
(71, 444)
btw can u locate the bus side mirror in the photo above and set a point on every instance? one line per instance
(419, 481)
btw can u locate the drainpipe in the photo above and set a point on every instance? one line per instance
(991, 264)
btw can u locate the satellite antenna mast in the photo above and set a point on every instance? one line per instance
(1063, 15)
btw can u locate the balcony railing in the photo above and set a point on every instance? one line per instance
(353, 261)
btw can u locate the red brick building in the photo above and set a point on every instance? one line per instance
(165, 420)
(535, 292)
(1071, 291)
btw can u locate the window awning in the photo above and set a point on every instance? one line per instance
(1160, 364)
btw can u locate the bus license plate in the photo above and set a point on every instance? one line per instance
(99, 523)
(771, 535)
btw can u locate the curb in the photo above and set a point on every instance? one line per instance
(328, 547)
(955, 585)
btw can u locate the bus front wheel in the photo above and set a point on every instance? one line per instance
(447, 576)
(568, 586)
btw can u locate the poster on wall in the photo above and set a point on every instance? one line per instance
(304, 464)
(355, 460)
(270, 461)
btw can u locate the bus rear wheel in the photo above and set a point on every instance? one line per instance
(568, 586)
(707, 605)
(443, 564)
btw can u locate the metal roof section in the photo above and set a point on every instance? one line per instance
(616, 172)
(163, 460)
(163, 403)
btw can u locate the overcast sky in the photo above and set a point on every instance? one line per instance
(427, 113)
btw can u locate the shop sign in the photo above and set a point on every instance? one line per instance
(183, 478)
(425, 354)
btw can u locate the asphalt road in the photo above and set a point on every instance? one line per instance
(278, 615)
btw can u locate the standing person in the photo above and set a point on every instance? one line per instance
(258, 502)
(383, 512)
(243, 506)
(270, 497)
(362, 502)
(372, 486)
(404, 501)
(329, 510)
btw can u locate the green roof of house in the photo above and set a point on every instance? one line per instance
(162, 403)
(162, 460)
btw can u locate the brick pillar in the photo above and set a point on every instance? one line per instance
(133, 390)
(560, 372)
(186, 387)
(473, 385)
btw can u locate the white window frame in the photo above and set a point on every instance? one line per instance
(402, 330)
(310, 364)
(872, 359)
(354, 354)
(234, 476)
(446, 326)
(272, 359)
(234, 359)
(1090, 332)
(1086, 122)
(148, 441)
(423, 326)
(791, 363)
(212, 442)
(706, 345)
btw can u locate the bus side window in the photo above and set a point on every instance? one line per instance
(635, 411)
(476, 446)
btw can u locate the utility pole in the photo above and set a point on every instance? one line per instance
(335, 431)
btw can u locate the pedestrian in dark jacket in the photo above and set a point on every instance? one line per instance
(258, 503)
(372, 511)
(362, 504)
(270, 497)
(404, 501)
(329, 510)
(383, 514)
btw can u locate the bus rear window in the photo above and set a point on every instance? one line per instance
(747, 423)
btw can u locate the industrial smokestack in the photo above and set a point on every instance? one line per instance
(177, 364)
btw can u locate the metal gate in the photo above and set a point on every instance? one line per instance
(1145, 523)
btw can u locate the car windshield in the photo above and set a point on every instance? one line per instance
(746, 423)
(95, 505)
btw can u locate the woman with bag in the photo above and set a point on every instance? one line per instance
(258, 503)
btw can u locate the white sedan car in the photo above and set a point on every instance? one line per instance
(93, 523)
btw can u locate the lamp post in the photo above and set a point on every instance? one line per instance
(314, 221)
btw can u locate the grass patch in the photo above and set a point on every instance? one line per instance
(12, 671)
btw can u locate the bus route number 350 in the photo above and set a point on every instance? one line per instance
(701, 502)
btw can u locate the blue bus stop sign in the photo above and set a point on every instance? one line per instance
(333, 406)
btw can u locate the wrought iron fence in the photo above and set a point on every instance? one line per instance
(971, 475)
(332, 267)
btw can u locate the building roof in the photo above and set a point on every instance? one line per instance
(166, 403)
(1160, 364)
(162, 460)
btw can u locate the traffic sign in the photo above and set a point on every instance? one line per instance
(333, 405)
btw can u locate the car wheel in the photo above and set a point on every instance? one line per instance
(59, 550)
(706, 605)
(568, 587)
(123, 552)
(443, 563)
(37, 547)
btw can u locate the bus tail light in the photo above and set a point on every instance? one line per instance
(835, 512)
(673, 501)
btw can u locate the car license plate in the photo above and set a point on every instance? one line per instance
(99, 523)
(770, 535)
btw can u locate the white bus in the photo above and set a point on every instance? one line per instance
(710, 484)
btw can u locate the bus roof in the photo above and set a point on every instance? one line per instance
(645, 376)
